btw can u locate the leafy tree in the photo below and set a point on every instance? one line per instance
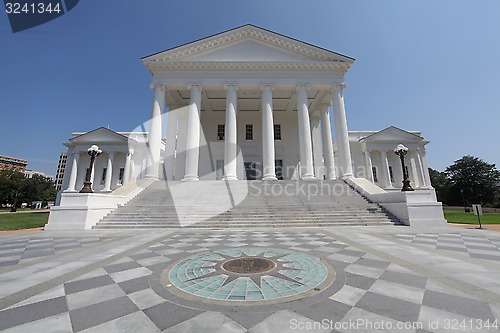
(440, 182)
(11, 183)
(477, 179)
(15, 189)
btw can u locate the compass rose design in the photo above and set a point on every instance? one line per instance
(247, 274)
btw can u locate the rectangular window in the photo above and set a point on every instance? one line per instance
(374, 173)
(104, 171)
(120, 176)
(278, 168)
(249, 132)
(277, 132)
(220, 132)
(390, 173)
(219, 169)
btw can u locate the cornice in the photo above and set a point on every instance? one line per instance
(262, 35)
(219, 65)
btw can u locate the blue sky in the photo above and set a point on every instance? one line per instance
(425, 65)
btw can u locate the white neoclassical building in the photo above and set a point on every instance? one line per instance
(246, 104)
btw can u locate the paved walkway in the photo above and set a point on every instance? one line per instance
(395, 279)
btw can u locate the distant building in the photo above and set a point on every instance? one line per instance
(12, 163)
(61, 167)
(30, 173)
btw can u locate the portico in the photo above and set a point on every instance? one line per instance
(235, 114)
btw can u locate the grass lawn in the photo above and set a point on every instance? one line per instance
(23, 221)
(459, 216)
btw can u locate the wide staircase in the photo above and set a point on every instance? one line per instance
(247, 204)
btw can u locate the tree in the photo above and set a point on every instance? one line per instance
(477, 179)
(440, 182)
(15, 189)
(11, 183)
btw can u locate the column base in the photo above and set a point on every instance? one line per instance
(269, 177)
(347, 175)
(151, 177)
(230, 178)
(190, 179)
(308, 177)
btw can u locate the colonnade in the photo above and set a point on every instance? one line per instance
(192, 140)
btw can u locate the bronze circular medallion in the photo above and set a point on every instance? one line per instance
(248, 265)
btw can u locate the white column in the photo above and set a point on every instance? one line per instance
(193, 134)
(385, 169)
(155, 126)
(319, 167)
(326, 132)
(413, 163)
(425, 167)
(230, 136)
(421, 169)
(268, 165)
(306, 153)
(74, 172)
(341, 133)
(109, 172)
(126, 171)
(369, 166)
(169, 156)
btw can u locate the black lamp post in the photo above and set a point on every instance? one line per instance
(93, 152)
(401, 151)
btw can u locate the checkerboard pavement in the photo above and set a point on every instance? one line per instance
(475, 246)
(118, 297)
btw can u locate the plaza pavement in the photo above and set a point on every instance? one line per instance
(390, 278)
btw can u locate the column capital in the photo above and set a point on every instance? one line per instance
(266, 86)
(130, 151)
(325, 105)
(339, 87)
(158, 85)
(111, 154)
(300, 86)
(197, 86)
(231, 86)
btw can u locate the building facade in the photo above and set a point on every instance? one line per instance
(12, 164)
(245, 104)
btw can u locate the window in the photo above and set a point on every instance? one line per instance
(249, 132)
(277, 132)
(120, 176)
(374, 172)
(390, 174)
(278, 168)
(104, 171)
(220, 132)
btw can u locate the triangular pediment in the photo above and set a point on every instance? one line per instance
(393, 134)
(100, 135)
(247, 44)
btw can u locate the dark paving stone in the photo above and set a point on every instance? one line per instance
(133, 285)
(327, 249)
(37, 253)
(484, 256)
(13, 246)
(247, 320)
(389, 307)
(450, 241)
(28, 313)
(166, 315)
(99, 313)
(456, 304)
(121, 267)
(405, 278)
(8, 263)
(67, 247)
(144, 256)
(423, 241)
(352, 253)
(372, 263)
(450, 248)
(359, 281)
(86, 284)
(328, 309)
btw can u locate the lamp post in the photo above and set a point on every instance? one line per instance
(93, 152)
(401, 151)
